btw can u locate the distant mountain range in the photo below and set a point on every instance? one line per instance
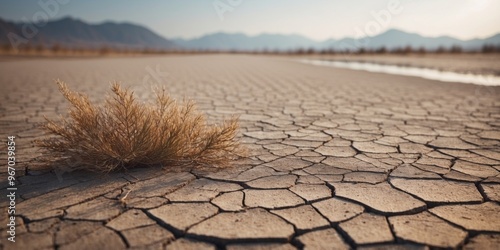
(390, 39)
(240, 41)
(70, 32)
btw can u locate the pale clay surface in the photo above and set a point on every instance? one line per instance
(337, 159)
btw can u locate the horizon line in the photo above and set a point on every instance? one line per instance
(249, 35)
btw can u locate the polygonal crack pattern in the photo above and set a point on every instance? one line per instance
(335, 159)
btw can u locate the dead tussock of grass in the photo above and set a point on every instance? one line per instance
(124, 133)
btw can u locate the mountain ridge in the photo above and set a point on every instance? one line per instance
(75, 33)
(390, 39)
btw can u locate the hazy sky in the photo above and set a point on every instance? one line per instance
(317, 19)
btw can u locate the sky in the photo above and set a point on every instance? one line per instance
(316, 19)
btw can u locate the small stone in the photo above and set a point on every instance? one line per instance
(439, 191)
(183, 215)
(232, 201)
(372, 147)
(272, 182)
(251, 224)
(381, 197)
(303, 217)
(130, 219)
(368, 228)
(323, 239)
(480, 217)
(337, 210)
(271, 198)
(148, 235)
(428, 229)
(311, 192)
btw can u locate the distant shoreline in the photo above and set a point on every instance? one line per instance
(481, 64)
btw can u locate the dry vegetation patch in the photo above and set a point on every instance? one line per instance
(124, 133)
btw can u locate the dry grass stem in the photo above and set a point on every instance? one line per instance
(125, 133)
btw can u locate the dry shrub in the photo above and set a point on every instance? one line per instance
(124, 133)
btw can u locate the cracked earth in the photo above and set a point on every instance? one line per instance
(338, 159)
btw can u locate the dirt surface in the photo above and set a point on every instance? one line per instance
(338, 159)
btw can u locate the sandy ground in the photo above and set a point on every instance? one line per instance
(336, 158)
(488, 64)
